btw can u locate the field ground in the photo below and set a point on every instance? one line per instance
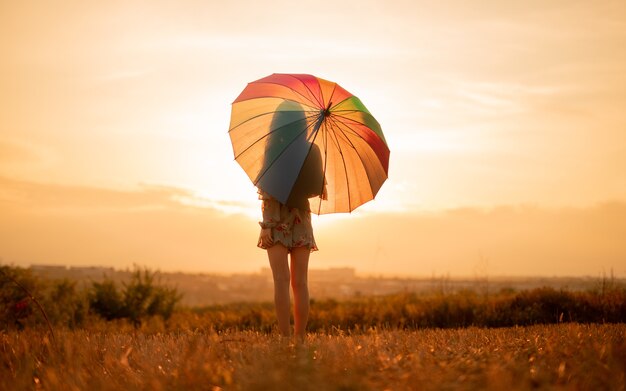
(564, 356)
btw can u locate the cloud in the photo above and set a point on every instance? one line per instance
(20, 157)
(37, 196)
(74, 225)
(10, 152)
(78, 225)
(512, 240)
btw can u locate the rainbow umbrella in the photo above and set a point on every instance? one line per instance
(301, 137)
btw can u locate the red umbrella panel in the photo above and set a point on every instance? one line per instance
(298, 136)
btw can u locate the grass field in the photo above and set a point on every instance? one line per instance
(564, 356)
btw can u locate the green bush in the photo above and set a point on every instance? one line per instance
(15, 304)
(105, 300)
(142, 297)
(61, 302)
(65, 304)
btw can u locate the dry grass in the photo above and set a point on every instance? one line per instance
(566, 356)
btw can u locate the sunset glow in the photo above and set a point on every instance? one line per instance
(505, 121)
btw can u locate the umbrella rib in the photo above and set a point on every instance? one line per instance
(348, 129)
(267, 134)
(346, 111)
(316, 132)
(319, 207)
(307, 87)
(314, 110)
(364, 124)
(282, 85)
(359, 135)
(332, 93)
(250, 119)
(281, 152)
(345, 169)
(352, 119)
(345, 132)
(338, 127)
(352, 132)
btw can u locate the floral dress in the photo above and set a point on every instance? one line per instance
(290, 226)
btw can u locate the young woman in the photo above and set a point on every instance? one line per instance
(286, 230)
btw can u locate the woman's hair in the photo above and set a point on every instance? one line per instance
(288, 127)
(290, 156)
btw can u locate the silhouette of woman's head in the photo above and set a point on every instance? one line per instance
(287, 132)
(288, 126)
(287, 163)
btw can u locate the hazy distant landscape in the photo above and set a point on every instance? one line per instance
(335, 283)
(365, 333)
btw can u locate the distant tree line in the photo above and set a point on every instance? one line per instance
(26, 300)
(432, 310)
(144, 297)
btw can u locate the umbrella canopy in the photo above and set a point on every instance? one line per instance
(300, 137)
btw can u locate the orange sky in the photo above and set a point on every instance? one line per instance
(505, 122)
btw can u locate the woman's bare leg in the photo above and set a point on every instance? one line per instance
(278, 256)
(299, 284)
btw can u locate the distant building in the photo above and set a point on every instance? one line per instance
(333, 274)
(48, 268)
(72, 272)
(91, 270)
